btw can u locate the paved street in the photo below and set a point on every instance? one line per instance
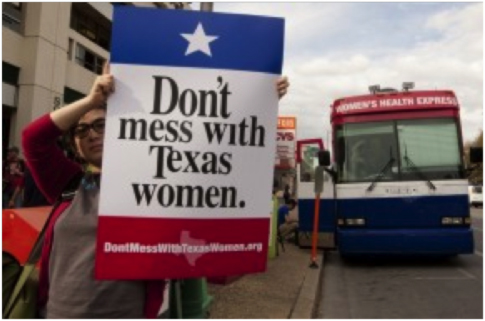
(405, 288)
(477, 217)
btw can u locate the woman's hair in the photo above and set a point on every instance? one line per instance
(68, 141)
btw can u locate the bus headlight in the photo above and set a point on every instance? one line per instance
(452, 221)
(355, 221)
(457, 220)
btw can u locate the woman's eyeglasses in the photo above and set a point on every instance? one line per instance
(82, 130)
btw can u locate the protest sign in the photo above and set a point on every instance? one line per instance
(189, 144)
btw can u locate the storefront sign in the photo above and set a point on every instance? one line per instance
(286, 142)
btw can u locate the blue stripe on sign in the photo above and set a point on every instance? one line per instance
(145, 36)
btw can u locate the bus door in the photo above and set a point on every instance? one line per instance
(307, 161)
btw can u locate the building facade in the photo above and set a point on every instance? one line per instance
(51, 54)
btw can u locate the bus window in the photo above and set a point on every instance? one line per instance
(432, 145)
(364, 150)
(309, 163)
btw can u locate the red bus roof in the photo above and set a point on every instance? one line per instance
(392, 102)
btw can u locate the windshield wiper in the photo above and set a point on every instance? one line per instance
(381, 172)
(417, 170)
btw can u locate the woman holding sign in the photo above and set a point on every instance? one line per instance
(68, 288)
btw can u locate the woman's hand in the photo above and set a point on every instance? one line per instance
(69, 115)
(103, 87)
(282, 85)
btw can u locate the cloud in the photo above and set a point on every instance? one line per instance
(337, 50)
(325, 66)
(454, 21)
(304, 22)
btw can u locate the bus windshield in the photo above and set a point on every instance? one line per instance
(402, 150)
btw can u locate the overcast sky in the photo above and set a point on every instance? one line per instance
(340, 49)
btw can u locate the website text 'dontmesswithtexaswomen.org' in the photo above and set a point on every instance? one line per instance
(182, 248)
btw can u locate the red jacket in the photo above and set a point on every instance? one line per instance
(52, 171)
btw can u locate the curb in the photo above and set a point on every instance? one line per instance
(305, 303)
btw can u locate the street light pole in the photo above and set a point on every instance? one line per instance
(207, 6)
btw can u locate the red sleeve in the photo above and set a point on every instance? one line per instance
(51, 169)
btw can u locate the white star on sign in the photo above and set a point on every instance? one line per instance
(199, 41)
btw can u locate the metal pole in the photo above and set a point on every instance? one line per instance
(178, 300)
(207, 6)
(314, 264)
(318, 191)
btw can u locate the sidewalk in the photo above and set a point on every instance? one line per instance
(288, 289)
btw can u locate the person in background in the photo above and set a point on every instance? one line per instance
(32, 195)
(358, 161)
(287, 194)
(286, 224)
(67, 288)
(13, 179)
(17, 197)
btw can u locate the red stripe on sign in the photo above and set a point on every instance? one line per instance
(167, 248)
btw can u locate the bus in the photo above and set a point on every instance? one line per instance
(398, 183)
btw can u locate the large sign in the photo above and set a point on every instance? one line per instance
(285, 142)
(189, 144)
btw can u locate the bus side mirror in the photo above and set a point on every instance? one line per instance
(476, 155)
(324, 158)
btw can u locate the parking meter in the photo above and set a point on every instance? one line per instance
(324, 158)
(323, 161)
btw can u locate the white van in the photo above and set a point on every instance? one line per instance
(475, 194)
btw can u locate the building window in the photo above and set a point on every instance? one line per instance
(71, 95)
(89, 60)
(88, 26)
(12, 15)
(10, 73)
(10, 78)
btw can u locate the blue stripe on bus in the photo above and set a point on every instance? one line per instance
(306, 212)
(394, 225)
(404, 212)
(399, 212)
(438, 241)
